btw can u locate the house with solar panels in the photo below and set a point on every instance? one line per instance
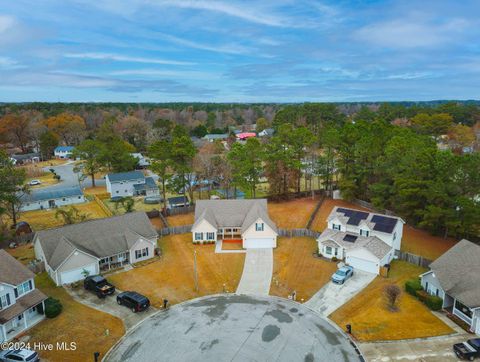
(366, 241)
(51, 198)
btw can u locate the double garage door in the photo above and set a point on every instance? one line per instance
(70, 276)
(259, 243)
(363, 264)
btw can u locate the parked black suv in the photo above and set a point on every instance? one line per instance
(468, 350)
(98, 285)
(136, 302)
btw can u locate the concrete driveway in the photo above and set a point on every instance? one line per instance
(333, 296)
(257, 272)
(109, 305)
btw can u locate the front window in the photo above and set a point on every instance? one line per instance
(463, 308)
(328, 250)
(141, 253)
(259, 226)
(210, 236)
(4, 301)
(336, 227)
(364, 232)
(198, 236)
(24, 288)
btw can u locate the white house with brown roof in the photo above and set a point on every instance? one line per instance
(455, 277)
(72, 252)
(21, 305)
(247, 220)
(364, 240)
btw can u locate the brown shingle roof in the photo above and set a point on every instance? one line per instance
(22, 304)
(12, 271)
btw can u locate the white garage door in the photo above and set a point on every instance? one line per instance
(362, 264)
(73, 275)
(259, 243)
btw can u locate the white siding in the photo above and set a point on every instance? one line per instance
(431, 285)
(362, 259)
(45, 204)
(122, 188)
(267, 233)
(204, 227)
(72, 268)
(140, 245)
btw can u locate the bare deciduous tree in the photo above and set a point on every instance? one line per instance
(392, 294)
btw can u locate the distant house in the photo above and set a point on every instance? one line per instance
(245, 135)
(142, 161)
(63, 152)
(455, 277)
(21, 304)
(215, 137)
(50, 198)
(132, 183)
(26, 158)
(267, 132)
(177, 201)
(73, 251)
(366, 241)
(247, 220)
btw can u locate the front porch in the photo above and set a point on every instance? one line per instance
(229, 233)
(115, 261)
(22, 322)
(460, 311)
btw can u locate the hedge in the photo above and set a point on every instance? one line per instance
(431, 301)
(412, 286)
(53, 307)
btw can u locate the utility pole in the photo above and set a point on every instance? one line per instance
(195, 274)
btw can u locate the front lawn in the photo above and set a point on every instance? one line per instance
(91, 330)
(292, 214)
(172, 276)
(295, 268)
(371, 320)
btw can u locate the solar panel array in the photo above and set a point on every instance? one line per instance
(354, 217)
(383, 223)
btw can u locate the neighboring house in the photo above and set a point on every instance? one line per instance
(366, 241)
(245, 135)
(21, 305)
(177, 201)
(455, 277)
(143, 162)
(247, 220)
(131, 183)
(73, 251)
(26, 158)
(51, 198)
(267, 132)
(63, 151)
(213, 137)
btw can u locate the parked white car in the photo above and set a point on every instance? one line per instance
(24, 355)
(35, 182)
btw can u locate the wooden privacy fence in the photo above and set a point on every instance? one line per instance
(298, 232)
(413, 259)
(100, 203)
(315, 212)
(173, 230)
(368, 205)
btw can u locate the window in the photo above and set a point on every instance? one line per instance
(5, 300)
(116, 191)
(328, 250)
(336, 251)
(463, 309)
(198, 236)
(394, 235)
(138, 254)
(364, 232)
(210, 236)
(336, 227)
(79, 197)
(63, 199)
(259, 226)
(23, 288)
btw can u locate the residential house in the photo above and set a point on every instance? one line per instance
(21, 304)
(73, 251)
(63, 152)
(51, 198)
(364, 240)
(455, 277)
(177, 201)
(142, 161)
(132, 183)
(214, 137)
(267, 132)
(26, 158)
(247, 220)
(245, 135)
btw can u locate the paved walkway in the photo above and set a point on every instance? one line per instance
(257, 272)
(333, 296)
(219, 246)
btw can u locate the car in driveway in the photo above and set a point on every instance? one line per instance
(25, 355)
(342, 274)
(98, 285)
(133, 300)
(468, 350)
(35, 182)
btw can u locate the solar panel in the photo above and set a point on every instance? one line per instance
(354, 221)
(350, 238)
(383, 223)
(346, 212)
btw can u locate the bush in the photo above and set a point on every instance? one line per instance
(334, 259)
(422, 295)
(412, 286)
(53, 307)
(434, 303)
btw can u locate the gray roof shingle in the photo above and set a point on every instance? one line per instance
(40, 195)
(12, 271)
(125, 176)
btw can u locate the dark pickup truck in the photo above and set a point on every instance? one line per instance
(98, 285)
(468, 350)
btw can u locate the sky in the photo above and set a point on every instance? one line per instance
(239, 51)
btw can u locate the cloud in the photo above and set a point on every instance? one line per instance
(6, 23)
(8, 63)
(166, 73)
(124, 58)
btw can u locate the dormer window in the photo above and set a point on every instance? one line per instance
(364, 232)
(337, 227)
(259, 226)
(4, 301)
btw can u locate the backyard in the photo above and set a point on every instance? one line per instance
(91, 330)
(295, 268)
(292, 214)
(23, 253)
(371, 319)
(172, 276)
(180, 219)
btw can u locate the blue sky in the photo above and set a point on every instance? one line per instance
(239, 51)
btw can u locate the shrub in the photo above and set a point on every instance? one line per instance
(392, 294)
(53, 307)
(434, 303)
(412, 286)
(422, 295)
(334, 259)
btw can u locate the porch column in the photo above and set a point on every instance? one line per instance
(25, 319)
(3, 333)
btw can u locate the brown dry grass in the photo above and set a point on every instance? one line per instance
(157, 223)
(320, 222)
(371, 319)
(23, 253)
(77, 323)
(172, 276)
(420, 242)
(295, 268)
(45, 219)
(181, 219)
(232, 246)
(97, 190)
(292, 214)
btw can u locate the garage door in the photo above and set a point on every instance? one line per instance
(73, 275)
(362, 264)
(259, 243)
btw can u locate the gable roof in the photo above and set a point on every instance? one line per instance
(46, 194)
(64, 148)
(233, 213)
(98, 238)
(12, 271)
(148, 185)
(125, 176)
(458, 272)
(353, 217)
(215, 136)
